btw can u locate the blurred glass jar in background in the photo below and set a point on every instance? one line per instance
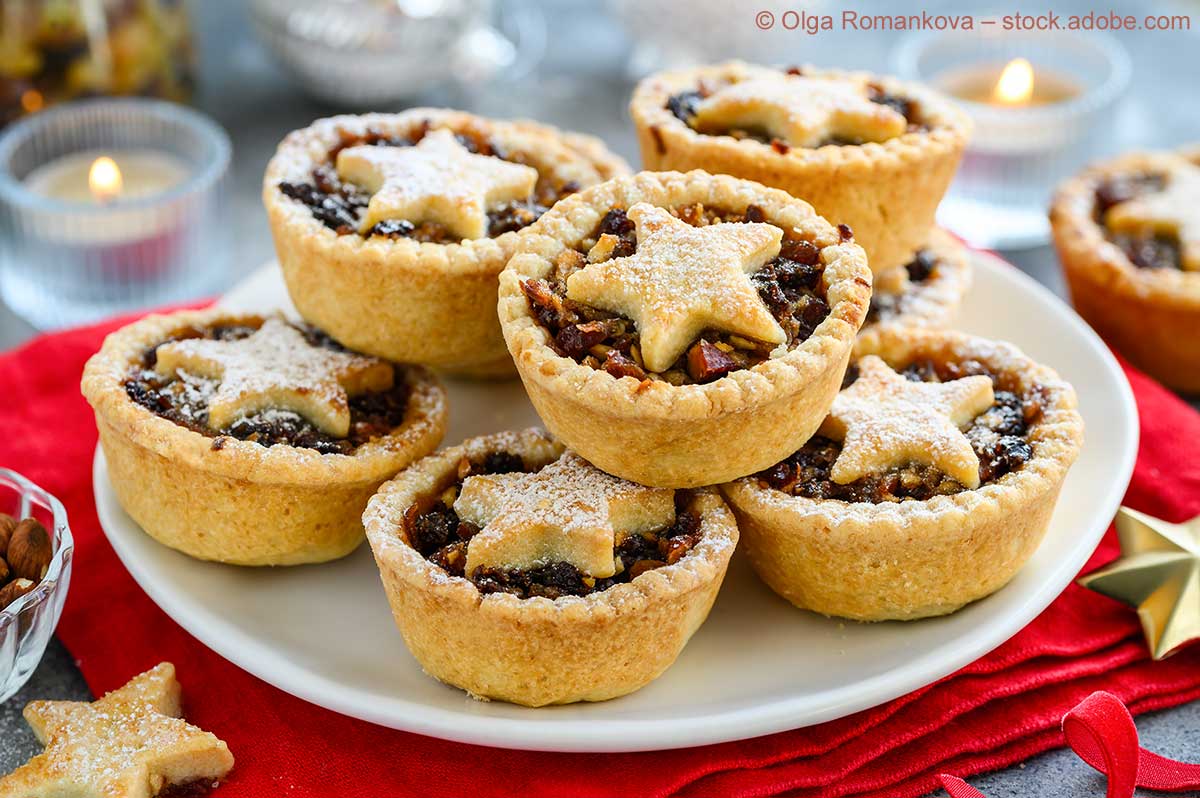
(56, 50)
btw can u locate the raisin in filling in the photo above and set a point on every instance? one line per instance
(885, 307)
(1143, 251)
(683, 107)
(184, 400)
(999, 436)
(438, 535)
(790, 286)
(340, 206)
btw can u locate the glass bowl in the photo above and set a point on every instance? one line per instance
(27, 624)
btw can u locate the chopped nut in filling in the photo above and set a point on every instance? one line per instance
(436, 532)
(999, 437)
(790, 286)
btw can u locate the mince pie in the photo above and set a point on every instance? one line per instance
(1128, 234)
(519, 572)
(131, 743)
(254, 440)
(925, 292)
(683, 329)
(391, 228)
(870, 152)
(928, 486)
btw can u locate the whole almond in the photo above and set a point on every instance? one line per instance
(4, 571)
(14, 590)
(29, 550)
(7, 525)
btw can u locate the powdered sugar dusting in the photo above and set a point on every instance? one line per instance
(436, 180)
(103, 747)
(569, 511)
(800, 110)
(886, 421)
(683, 279)
(273, 370)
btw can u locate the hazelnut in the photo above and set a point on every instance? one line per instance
(7, 525)
(14, 590)
(29, 550)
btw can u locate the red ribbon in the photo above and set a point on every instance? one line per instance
(1102, 733)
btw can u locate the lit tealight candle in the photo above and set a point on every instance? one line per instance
(104, 178)
(1016, 85)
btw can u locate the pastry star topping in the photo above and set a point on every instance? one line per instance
(886, 421)
(437, 180)
(802, 111)
(1159, 573)
(570, 511)
(132, 743)
(683, 280)
(276, 368)
(1173, 211)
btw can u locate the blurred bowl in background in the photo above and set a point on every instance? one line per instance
(366, 53)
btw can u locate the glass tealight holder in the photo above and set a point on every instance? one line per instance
(1021, 148)
(69, 259)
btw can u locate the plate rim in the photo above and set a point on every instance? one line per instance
(603, 735)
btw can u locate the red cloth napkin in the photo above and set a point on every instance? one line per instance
(999, 710)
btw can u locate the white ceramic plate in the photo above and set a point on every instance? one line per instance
(758, 665)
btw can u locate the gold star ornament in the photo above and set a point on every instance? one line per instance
(436, 180)
(682, 280)
(886, 421)
(132, 743)
(1159, 574)
(276, 368)
(802, 111)
(570, 511)
(1174, 211)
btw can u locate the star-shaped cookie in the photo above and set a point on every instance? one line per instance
(1174, 211)
(1159, 573)
(570, 511)
(802, 111)
(886, 421)
(132, 743)
(437, 180)
(276, 368)
(682, 280)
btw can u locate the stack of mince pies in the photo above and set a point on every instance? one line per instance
(745, 342)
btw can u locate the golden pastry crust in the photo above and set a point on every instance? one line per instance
(1150, 315)
(915, 559)
(404, 300)
(240, 502)
(934, 302)
(684, 436)
(886, 192)
(536, 651)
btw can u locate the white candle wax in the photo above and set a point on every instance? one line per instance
(143, 173)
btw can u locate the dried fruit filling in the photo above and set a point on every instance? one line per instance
(1144, 251)
(790, 286)
(340, 205)
(884, 307)
(683, 107)
(184, 400)
(999, 436)
(437, 533)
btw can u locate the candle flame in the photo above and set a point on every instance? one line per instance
(104, 179)
(1015, 86)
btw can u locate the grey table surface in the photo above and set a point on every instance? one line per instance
(583, 84)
